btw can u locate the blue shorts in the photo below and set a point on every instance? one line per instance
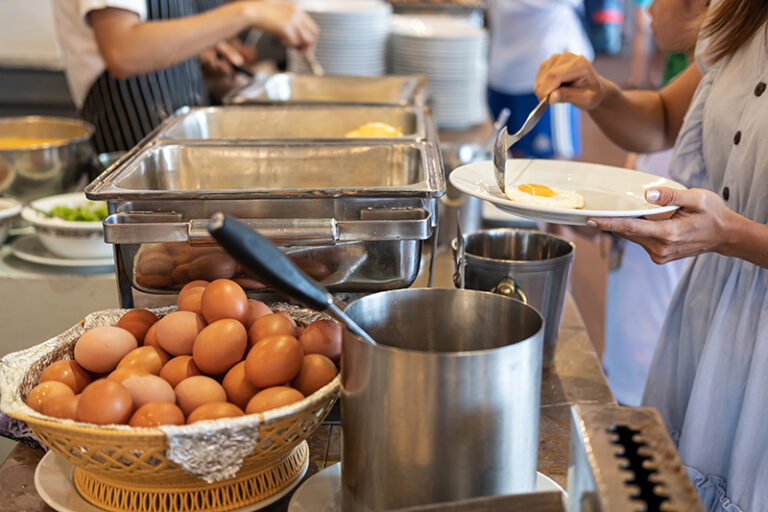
(557, 135)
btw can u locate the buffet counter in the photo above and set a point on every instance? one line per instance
(575, 377)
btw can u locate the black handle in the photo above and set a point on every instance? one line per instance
(267, 262)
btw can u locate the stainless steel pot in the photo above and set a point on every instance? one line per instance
(446, 405)
(528, 265)
(443, 405)
(46, 169)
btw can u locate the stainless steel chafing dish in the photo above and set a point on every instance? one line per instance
(292, 121)
(352, 215)
(295, 88)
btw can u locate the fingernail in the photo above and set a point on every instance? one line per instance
(652, 195)
(554, 97)
(592, 223)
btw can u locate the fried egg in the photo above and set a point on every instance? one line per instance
(379, 130)
(541, 195)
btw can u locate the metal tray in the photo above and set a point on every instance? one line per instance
(354, 214)
(291, 122)
(296, 88)
(291, 169)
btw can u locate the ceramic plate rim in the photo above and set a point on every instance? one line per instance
(486, 167)
(56, 261)
(54, 504)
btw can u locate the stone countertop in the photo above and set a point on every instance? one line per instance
(574, 377)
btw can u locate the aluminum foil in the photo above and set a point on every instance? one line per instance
(210, 450)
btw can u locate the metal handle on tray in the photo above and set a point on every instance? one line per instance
(280, 231)
(375, 225)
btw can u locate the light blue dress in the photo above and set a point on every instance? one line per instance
(709, 376)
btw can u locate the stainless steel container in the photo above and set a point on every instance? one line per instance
(296, 88)
(292, 122)
(358, 212)
(45, 169)
(529, 265)
(446, 406)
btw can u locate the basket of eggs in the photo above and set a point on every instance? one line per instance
(202, 406)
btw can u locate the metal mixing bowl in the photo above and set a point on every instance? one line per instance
(44, 169)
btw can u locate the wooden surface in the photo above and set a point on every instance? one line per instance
(574, 377)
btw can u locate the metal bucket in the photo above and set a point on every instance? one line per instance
(446, 406)
(529, 265)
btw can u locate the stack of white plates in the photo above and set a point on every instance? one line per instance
(452, 53)
(353, 37)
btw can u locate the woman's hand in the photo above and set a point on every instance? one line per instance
(703, 223)
(586, 90)
(293, 26)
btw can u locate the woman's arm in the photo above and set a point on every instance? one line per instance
(131, 47)
(639, 121)
(702, 224)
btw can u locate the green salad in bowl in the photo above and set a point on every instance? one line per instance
(81, 213)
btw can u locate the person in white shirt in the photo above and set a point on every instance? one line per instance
(523, 33)
(132, 63)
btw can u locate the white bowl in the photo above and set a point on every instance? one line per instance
(69, 239)
(9, 208)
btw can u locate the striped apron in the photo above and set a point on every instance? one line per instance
(125, 111)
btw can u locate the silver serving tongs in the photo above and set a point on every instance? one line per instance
(504, 141)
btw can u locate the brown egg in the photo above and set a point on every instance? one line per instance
(300, 329)
(176, 332)
(45, 391)
(104, 402)
(212, 267)
(199, 283)
(147, 358)
(155, 263)
(272, 398)
(154, 281)
(137, 322)
(247, 283)
(256, 310)
(180, 274)
(239, 389)
(274, 360)
(316, 371)
(322, 337)
(225, 299)
(121, 374)
(150, 339)
(192, 300)
(220, 346)
(195, 391)
(63, 406)
(68, 372)
(270, 325)
(289, 317)
(101, 348)
(149, 388)
(154, 414)
(317, 270)
(214, 411)
(178, 369)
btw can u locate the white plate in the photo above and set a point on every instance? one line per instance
(608, 191)
(54, 484)
(30, 248)
(322, 491)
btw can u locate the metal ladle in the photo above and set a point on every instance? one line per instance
(274, 268)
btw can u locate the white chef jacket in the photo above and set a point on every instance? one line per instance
(526, 32)
(77, 42)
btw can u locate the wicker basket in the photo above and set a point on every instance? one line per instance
(120, 458)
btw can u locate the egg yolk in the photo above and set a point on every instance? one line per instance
(536, 190)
